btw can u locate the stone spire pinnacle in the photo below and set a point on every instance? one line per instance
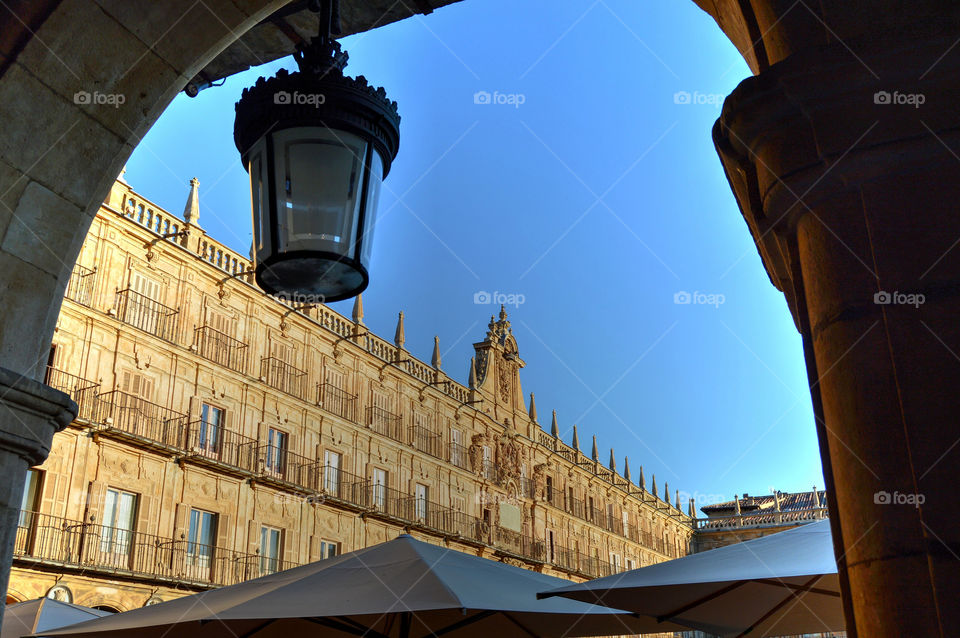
(666, 492)
(595, 454)
(626, 468)
(358, 310)
(554, 428)
(653, 482)
(472, 379)
(642, 483)
(736, 499)
(576, 439)
(533, 408)
(613, 461)
(677, 502)
(776, 499)
(816, 497)
(191, 212)
(692, 509)
(399, 338)
(435, 359)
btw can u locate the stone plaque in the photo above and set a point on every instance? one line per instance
(510, 517)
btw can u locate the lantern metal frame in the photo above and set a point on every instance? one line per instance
(348, 105)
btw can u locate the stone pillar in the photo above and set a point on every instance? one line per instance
(30, 414)
(845, 160)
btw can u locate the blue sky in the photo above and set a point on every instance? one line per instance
(593, 194)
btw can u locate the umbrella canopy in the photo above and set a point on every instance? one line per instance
(397, 589)
(781, 584)
(31, 616)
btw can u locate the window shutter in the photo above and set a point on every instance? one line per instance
(224, 532)
(253, 536)
(145, 514)
(291, 548)
(95, 497)
(181, 521)
(315, 543)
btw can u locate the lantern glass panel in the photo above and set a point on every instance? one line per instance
(257, 169)
(373, 201)
(319, 174)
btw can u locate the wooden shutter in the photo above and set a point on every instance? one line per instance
(95, 497)
(181, 521)
(290, 549)
(137, 385)
(224, 531)
(253, 536)
(146, 286)
(145, 513)
(221, 322)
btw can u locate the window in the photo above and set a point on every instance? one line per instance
(269, 550)
(201, 538)
(625, 516)
(550, 489)
(329, 549)
(276, 460)
(379, 489)
(30, 502)
(211, 424)
(610, 516)
(331, 472)
(458, 453)
(119, 508)
(590, 511)
(630, 564)
(420, 501)
(551, 547)
(615, 562)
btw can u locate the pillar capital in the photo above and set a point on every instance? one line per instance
(31, 413)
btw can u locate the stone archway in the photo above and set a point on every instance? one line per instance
(848, 192)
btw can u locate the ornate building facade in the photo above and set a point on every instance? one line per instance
(224, 434)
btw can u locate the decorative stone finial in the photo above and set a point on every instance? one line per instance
(613, 461)
(575, 443)
(626, 469)
(595, 454)
(666, 492)
(736, 499)
(399, 338)
(692, 509)
(191, 212)
(642, 483)
(653, 482)
(776, 499)
(816, 497)
(677, 502)
(358, 310)
(533, 408)
(120, 177)
(472, 379)
(554, 428)
(435, 359)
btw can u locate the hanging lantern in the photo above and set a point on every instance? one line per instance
(317, 146)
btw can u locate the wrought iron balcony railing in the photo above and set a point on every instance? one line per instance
(384, 423)
(221, 348)
(80, 390)
(459, 456)
(337, 401)
(130, 415)
(427, 441)
(91, 547)
(283, 376)
(80, 286)
(209, 442)
(280, 464)
(147, 314)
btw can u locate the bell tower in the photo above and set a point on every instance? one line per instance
(498, 366)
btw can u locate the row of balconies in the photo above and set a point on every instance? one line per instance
(130, 417)
(47, 540)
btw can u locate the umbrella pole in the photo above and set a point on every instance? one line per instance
(405, 621)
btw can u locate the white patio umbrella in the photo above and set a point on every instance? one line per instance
(777, 585)
(399, 589)
(41, 614)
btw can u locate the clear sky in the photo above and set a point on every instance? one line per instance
(591, 197)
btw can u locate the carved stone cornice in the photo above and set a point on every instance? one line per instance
(33, 413)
